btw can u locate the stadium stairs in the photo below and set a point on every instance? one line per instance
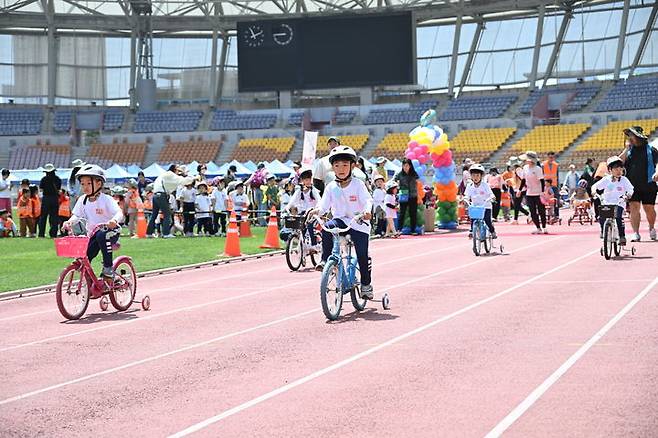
(500, 157)
(606, 86)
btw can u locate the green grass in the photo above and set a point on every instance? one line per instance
(32, 262)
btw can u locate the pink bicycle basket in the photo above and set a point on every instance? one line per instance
(72, 246)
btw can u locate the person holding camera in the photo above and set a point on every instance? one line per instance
(163, 186)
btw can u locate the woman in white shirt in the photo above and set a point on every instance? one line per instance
(533, 184)
(5, 191)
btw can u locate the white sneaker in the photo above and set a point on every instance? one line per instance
(545, 231)
(168, 236)
(636, 237)
(652, 234)
(367, 292)
(536, 231)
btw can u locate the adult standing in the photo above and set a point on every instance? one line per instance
(322, 172)
(142, 182)
(255, 182)
(74, 184)
(407, 180)
(588, 173)
(496, 183)
(513, 181)
(571, 180)
(551, 169)
(163, 186)
(640, 160)
(380, 169)
(230, 174)
(5, 190)
(50, 186)
(533, 183)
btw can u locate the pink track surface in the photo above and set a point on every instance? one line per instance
(244, 350)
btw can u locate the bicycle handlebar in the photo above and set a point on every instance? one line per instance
(356, 219)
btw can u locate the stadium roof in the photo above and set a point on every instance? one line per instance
(207, 15)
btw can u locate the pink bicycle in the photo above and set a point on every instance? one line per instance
(78, 283)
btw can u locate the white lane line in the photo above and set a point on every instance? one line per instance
(518, 411)
(152, 358)
(201, 305)
(149, 359)
(285, 388)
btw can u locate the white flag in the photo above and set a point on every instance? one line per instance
(310, 145)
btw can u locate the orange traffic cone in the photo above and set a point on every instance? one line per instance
(141, 224)
(245, 227)
(272, 234)
(232, 247)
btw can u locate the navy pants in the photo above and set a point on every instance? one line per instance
(102, 241)
(360, 240)
(487, 220)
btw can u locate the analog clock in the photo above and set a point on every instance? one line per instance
(253, 35)
(282, 34)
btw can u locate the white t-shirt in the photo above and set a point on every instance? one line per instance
(322, 170)
(100, 211)
(284, 198)
(219, 200)
(614, 190)
(240, 202)
(479, 195)
(391, 213)
(532, 176)
(345, 203)
(187, 195)
(203, 205)
(305, 204)
(5, 186)
(378, 198)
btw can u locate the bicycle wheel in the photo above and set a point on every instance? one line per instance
(615, 242)
(72, 292)
(607, 240)
(476, 239)
(487, 239)
(358, 302)
(125, 284)
(294, 252)
(331, 296)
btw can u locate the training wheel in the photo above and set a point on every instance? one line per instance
(386, 302)
(104, 303)
(146, 302)
(633, 250)
(502, 249)
(601, 251)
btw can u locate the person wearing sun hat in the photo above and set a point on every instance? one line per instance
(50, 186)
(74, 185)
(641, 161)
(532, 182)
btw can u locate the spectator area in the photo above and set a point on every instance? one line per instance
(295, 119)
(477, 107)
(263, 149)
(188, 151)
(344, 117)
(410, 114)
(632, 94)
(125, 154)
(479, 144)
(356, 142)
(392, 145)
(225, 120)
(21, 122)
(583, 95)
(167, 121)
(547, 138)
(31, 157)
(609, 140)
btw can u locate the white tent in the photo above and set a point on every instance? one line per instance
(154, 171)
(133, 170)
(191, 168)
(213, 169)
(116, 172)
(250, 165)
(278, 168)
(241, 169)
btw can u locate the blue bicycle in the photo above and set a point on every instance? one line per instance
(481, 235)
(341, 275)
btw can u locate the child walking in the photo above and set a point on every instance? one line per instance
(219, 201)
(379, 206)
(203, 205)
(391, 204)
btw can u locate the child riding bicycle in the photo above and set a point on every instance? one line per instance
(615, 189)
(346, 198)
(305, 199)
(479, 194)
(97, 208)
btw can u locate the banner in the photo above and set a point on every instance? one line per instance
(310, 145)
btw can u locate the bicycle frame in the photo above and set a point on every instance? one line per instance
(98, 285)
(346, 263)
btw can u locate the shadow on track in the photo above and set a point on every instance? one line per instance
(366, 315)
(106, 316)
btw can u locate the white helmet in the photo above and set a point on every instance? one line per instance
(476, 168)
(342, 153)
(377, 176)
(391, 184)
(91, 170)
(612, 160)
(305, 169)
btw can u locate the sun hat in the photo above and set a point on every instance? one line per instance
(49, 168)
(637, 131)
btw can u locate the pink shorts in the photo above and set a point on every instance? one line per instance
(5, 204)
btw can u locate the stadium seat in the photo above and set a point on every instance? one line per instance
(125, 154)
(410, 114)
(188, 151)
(635, 93)
(167, 121)
(477, 107)
(263, 149)
(547, 138)
(21, 122)
(31, 157)
(226, 120)
(356, 142)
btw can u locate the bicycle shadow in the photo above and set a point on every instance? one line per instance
(631, 257)
(105, 316)
(369, 314)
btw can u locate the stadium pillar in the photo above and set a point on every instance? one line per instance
(471, 55)
(222, 68)
(52, 52)
(535, 54)
(622, 38)
(133, 67)
(568, 13)
(455, 54)
(365, 95)
(645, 37)
(285, 99)
(213, 59)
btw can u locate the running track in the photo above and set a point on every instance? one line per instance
(548, 340)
